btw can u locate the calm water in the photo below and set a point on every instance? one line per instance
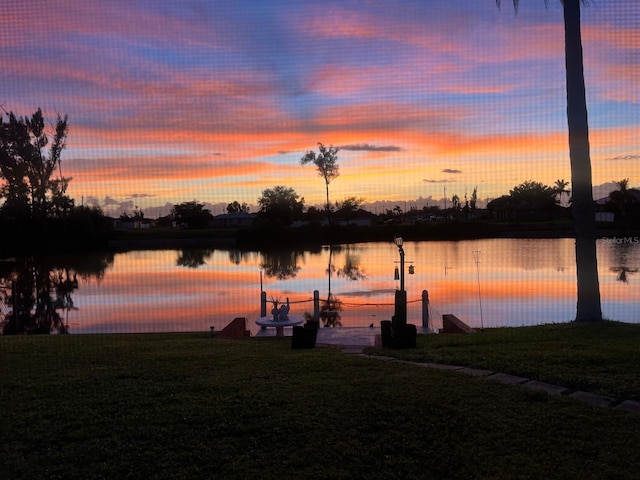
(514, 283)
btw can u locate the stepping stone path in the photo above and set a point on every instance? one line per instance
(590, 398)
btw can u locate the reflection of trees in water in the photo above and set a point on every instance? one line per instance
(330, 311)
(351, 269)
(281, 265)
(34, 291)
(622, 273)
(284, 265)
(87, 265)
(332, 306)
(623, 254)
(237, 257)
(193, 257)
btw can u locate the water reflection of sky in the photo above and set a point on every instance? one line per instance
(521, 282)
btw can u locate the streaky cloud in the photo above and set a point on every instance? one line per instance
(451, 170)
(365, 147)
(141, 195)
(623, 157)
(431, 180)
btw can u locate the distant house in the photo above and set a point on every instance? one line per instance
(233, 220)
(358, 218)
(505, 208)
(610, 210)
(133, 223)
(605, 217)
(167, 221)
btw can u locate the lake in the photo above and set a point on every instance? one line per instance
(514, 282)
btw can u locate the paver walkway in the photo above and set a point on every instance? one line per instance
(354, 340)
(591, 398)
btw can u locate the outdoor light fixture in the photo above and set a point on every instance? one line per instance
(398, 241)
(411, 270)
(396, 274)
(400, 316)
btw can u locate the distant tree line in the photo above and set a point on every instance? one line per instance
(34, 204)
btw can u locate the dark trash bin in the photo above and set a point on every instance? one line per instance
(385, 337)
(405, 337)
(303, 337)
(397, 335)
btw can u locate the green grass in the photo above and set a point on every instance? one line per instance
(189, 406)
(601, 358)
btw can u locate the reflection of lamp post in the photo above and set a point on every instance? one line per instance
(476, 257)
(401, 295)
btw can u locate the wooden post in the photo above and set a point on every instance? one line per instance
(316, 306)
(263, 304)
(425, 309)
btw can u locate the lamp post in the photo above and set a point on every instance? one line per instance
(399, 242)
(401, 295)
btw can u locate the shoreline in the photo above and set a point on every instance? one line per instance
(312, 238)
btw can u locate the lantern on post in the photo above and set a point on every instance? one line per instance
(401, 295)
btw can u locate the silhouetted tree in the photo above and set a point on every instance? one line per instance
(326, 163)
(624, 199)
(474, 198)
(280, 206)
(351, 204)
(236, 207)
(532, 191)
(29, 188)
(347, 208)
(561, 188)
(192, 213)
(588, 305)
(529, 196)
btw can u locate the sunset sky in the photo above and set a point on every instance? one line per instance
(215, 101)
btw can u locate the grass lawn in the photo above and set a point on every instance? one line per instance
(601, 358)
(161, 406)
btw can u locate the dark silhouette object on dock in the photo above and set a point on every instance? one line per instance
(452, 324)
(304, 337)
(237, 328)
(398, 334)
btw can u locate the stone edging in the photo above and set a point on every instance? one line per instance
(590, 398)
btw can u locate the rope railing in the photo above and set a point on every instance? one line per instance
(426, 309)
(349, 304)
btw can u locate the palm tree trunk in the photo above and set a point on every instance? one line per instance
(588, 298)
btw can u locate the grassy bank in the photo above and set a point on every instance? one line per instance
(188, 406)
(601, 358)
